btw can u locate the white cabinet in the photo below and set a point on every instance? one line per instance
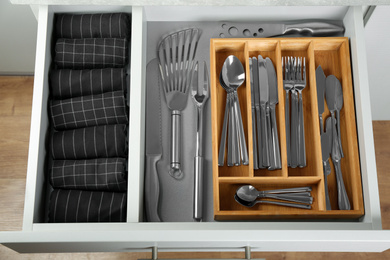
(364, 234)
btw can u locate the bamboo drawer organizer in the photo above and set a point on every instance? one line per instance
(333, 56)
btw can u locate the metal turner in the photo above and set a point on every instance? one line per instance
(176, 54)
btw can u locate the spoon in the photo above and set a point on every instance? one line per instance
(252, 203)
(233, 75)
(249, 193)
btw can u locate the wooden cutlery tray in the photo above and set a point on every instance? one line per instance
(333, 56)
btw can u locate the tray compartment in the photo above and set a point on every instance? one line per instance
(333, 56)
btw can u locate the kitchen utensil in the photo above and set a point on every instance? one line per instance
(300, 84)
(233, 75)
(153, 143)
(176, 54)
(288, 85)
(256, 88)
(248, 193)
(230, 118)
(199, 100)
(326, 147)
(286, 204)
(334, 99)
(263, 30)
(253, 106)
(342, 197)
(275, 161)
(264, 110)
(339, 106)
(321, 83)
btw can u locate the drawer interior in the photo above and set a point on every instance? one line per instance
(157, 21)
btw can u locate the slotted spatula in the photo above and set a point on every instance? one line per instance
(176, 54)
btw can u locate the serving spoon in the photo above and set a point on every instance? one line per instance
(252, 203)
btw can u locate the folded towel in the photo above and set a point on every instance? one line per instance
(86, 206)
(105, 141)
(94, 53)
(104, 174)
(68, 83)
(103, 109)
(108, 25)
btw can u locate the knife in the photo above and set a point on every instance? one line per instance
(153, 141)
(342, 197)
(255, 159)
(264, 106)
(321, 82)
(257, 108)
(275, 162)
(246, 30)
(326, 146)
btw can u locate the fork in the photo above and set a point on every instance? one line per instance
(299, 85)
(288, 85)
(199, 98)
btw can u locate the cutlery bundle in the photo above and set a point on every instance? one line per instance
(294, 81)
(231, 78)
(329, 88)
(264, 97)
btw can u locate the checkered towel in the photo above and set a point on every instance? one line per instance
(68, 83)
(105, 141)
(103, 109)
(94, 53)
(104, 174)
(86, 206)
(108, 25)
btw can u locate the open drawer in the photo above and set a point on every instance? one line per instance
(363, 234)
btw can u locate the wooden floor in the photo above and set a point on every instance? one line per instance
(15, 112)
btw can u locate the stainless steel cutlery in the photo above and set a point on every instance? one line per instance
(326, 147)
(264, 126)
(294, 81)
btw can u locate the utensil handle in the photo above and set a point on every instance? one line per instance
(338, 133)
(259, 138)
(175, 170)
(255, 161)
(275, 151)
(234, 134)
(198, 188)
(222, 144)
(287, 119)
(287, 204)
(240, 128)
(342, 196)
(292, 198)
(264, 137)
(326, 169)
(152, 188)
(313, 28)
(321, 124)
(294, 129)
(301, 132)
(288, 190)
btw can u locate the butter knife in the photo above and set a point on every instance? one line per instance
(321, 83)
(264, 106)
(326, 146)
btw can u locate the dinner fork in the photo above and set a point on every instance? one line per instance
(288, 85)
(300, 84)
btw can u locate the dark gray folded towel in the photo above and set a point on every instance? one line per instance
(105, 141)
(68, 83)
(103, 109)
(104, 174)
(107, 25)
(94, 53)
(86, 206)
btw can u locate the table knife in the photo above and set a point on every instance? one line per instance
(263, 30)
(326, 146)
(254, 138)
(275, 161)
(321, 83)
(257, 109)
(264, 106)
(153, 141)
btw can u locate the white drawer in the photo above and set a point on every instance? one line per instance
(364, 234)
